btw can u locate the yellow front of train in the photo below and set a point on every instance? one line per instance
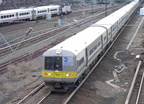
(59, 71)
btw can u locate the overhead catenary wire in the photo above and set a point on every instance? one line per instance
(6, 42)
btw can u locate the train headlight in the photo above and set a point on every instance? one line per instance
(69, 75)
(49, 73)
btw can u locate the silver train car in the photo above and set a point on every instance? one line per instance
(66, 64)
(8, 16)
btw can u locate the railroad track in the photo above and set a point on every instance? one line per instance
(140, 96)
(32, 93)
(136, 92)
(55, 97)
(30, 41)
(47, 97)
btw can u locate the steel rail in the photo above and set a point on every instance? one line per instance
(43, 98)
(32, 92)
(132, 84)
(139, 92)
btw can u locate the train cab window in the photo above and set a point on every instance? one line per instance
(48, 63)
(58, 63)
(53, 63)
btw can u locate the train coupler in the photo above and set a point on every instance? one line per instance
(57, 85)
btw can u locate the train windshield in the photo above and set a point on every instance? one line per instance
(53, 63)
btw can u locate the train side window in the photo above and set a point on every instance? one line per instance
(109, 34)
(99, 44)
(48, 63)
(53, 9)
(81, 61)
(105, 38)
(91, 51)
(95, 47)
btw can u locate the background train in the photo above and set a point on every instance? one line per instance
(66, 64)
(7, 16)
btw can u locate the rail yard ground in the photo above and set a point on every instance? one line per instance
(99, 88)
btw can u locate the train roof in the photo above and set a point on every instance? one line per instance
(128, 7)
(15, 10)
(107, 21)
(112, 18)
(42, 7)
(54, 6)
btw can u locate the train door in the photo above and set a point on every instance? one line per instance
(34, 14)
(102, 43)
(86, 53)
(48, 11)
(17, 15)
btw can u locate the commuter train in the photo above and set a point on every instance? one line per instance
(66, 64)
(7, 16)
